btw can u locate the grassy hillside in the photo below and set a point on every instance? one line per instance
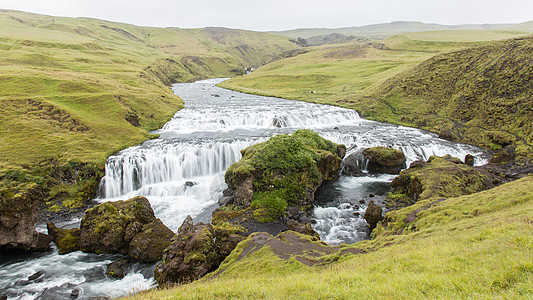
(81, 89)
(476, 246)
(480, 95)
(469, 90)
(384, 30)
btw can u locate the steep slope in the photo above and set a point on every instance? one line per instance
(81, 89)
(480, 95)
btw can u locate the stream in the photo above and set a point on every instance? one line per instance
(182, 173)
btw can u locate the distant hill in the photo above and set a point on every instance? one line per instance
(384, 30)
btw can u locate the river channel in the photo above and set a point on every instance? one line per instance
(182, 173)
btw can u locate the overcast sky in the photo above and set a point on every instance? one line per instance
(267, 15)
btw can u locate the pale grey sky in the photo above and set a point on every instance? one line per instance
(267, 15)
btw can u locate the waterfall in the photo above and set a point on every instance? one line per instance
(182, 173)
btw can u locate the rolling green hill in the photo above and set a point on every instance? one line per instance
(384, 30)
(79, 89)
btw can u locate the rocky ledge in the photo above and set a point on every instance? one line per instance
(127, 227)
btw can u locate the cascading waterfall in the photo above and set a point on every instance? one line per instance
(182, 173)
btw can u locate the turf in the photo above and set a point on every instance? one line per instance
(477, 246)
(85, 88)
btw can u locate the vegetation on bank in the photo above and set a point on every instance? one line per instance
(79, 89)
(466, 90)
(477, 246)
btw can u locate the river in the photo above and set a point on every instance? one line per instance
(182, 173)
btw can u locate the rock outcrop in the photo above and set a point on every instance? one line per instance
(272, 187)
(66, 240)
(373, 215)
(192, 254)
(445, 176)
(376, 160)
(18, 214)
(127, 227)
(384, 160)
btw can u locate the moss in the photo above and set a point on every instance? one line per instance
(284, 171)
(440, 177)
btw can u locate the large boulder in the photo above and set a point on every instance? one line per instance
(66, 240)
(272, 187)
(192, 254)
(148, 245)
(18, 214)
(445, 176)
(128, 227)
(384, 160)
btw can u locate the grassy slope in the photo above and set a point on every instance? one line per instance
(68, 85)
(476, 246)
(392, 84)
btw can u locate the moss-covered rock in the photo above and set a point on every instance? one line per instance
(275, 181)
(118, 269)
(373, 215)
(149, 244)
(18, 214)
(66, 240)
(191, 255)
(384, 160)
(127, 227)
(439, 177)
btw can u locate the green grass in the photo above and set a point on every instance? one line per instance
(477, 246)
(440, 81)
(82, 89)
(68, 85)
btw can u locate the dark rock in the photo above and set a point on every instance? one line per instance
(149, 244)
(352, 164)
(127, 227)
(36, 275)
(469, 159)
(75, 294)
(447, 135)
(384, 160)
(190, 183)
(416, 164)
(373, 215)
(505, 155)
(18, 214)
(3, 297)
(225, 201)
(226, 241)
(191, 255)
(66, 240)
(371, 195)
(118, 269)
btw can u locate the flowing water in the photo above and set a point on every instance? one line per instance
(182, 173)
